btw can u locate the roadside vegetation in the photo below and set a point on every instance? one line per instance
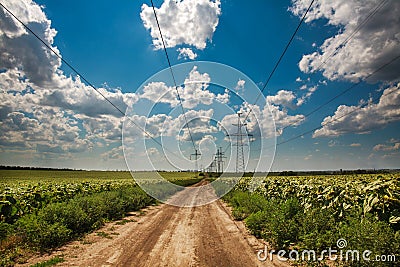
(313, 212)
(42, 210)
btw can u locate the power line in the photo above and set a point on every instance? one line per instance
(344, 92)
(82, 76)
(336, 119)
(63, 60)
(341, 45)
(356, 30)
(281, 57)
(329, 101)
(173, 78)
(338, 48)
(278, 62)
(349, 37)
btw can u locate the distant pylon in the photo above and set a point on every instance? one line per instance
(212, 166)
(240, 165)
(196, 156)
(219, 158)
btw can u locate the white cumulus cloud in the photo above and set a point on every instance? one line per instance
(186, 53)
(193, 92)
(385, 147)
(183, 22)
(363, 119)
(240, 85)
(376, 42)
(268, 121)
(18, 49)
(283, 98)
(41, 109)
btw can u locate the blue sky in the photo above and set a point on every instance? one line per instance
(51, 118)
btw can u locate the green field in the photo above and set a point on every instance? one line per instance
(313, 212)
(35, 175)
(23, 191)
(41, 210)
(10, 176)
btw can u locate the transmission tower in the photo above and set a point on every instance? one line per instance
(240, 165)
(219, 158)
(195, 156)
(212, 166)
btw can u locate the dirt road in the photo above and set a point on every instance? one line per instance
(169, 236)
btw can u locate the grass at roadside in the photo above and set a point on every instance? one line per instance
(313, 213)
(51, 262)
(182, 178)
(41, 210)
(57, 223)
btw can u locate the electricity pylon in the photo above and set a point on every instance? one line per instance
(219, 158)
(240, 165)
(212, 166)
(195, 156)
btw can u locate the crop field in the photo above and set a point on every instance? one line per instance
(41, 210)
(23, 191)
(313, 212)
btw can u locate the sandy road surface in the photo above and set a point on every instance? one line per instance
(169, 236)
